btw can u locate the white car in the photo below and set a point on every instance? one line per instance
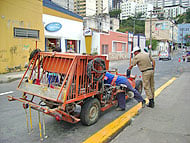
(164, 55)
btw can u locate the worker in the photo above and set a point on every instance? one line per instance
(146, 65)
(117, 80)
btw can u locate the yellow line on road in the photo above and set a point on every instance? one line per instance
(112, 128)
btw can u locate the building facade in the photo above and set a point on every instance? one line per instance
(67, 4)
(114, 45)
(162, 30)
(114, 24)
(127, 9)
(131, 8)
(173, 11)
(183, 32)
(43, 25)
(21, 32)
(62, 29)
(91, 7)
(101, 23)
(144, 9)
(163, 3)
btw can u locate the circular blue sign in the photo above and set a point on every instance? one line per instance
(53, 27)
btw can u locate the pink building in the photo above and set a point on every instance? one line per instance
(114, 45)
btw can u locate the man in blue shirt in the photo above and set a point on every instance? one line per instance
(117, 80)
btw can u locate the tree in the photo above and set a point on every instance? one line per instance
(187, 39)
(115, 13)
(154, 44)
(128, 25)
(184, 18)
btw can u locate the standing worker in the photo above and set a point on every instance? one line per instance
(146, 65)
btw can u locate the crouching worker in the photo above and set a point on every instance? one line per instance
(118, 80)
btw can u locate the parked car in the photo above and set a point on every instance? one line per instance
(186, 56)
(164, 55)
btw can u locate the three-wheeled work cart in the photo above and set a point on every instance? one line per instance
(65, 82)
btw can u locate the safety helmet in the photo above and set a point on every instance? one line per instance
(136, 49)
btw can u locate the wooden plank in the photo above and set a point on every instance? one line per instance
(40, 90)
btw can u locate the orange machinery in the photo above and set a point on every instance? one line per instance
(62, 83)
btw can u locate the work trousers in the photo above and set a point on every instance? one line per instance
(137, 95)
(121, 100)
(148, 83)
(121, 96)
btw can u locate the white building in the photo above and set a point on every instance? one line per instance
(100, 23)
(114, 24)
(137, 1)
(144, 9)
(132, 8)
(127, 9)
(67, 4)
(91, 7)
(163, 3)
(173, 11)
(64, 33)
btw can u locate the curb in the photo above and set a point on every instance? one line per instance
(112, 129)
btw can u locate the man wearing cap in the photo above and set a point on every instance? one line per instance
(146, 65)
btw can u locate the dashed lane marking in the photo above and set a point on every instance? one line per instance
(5, 93)
(105, 134)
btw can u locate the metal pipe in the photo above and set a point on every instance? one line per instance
(27, 121)
(44, 127)
(30, 118)
(40, 127)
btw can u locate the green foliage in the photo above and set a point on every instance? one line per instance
(154, 44)
(187, 39)
(128, 25)
(115, 13)
(185, 18)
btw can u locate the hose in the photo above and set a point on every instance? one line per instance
(91, 67)
(33, 53)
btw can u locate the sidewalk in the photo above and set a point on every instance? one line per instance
(9, 77)
(168, 122)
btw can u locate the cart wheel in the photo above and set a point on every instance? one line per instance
(138, 86)
(90, 111)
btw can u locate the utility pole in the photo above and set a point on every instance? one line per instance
(150, 31)
(182, 39)
(172, 37)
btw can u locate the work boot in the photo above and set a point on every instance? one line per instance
(143, 103)
(119, 109)
(151, 103)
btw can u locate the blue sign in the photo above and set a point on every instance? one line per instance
(53, 27)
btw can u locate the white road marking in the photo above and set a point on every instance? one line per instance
(9, 92)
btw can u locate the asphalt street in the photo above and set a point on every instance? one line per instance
(13, 119)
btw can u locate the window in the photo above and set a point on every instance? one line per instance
(104, 49)
(123, 47)
(114, 49)
(26, 33)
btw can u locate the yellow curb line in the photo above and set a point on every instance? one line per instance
(112, 128)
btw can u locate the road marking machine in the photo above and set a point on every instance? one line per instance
(65, 82)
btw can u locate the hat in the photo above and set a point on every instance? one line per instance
(136, 49)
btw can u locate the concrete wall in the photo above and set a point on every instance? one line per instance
(115, 42)
(14, 51)
(161, 29)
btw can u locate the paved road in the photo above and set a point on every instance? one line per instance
(13, 123)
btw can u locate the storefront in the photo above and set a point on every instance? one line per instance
(62, 29)
(64, 34)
